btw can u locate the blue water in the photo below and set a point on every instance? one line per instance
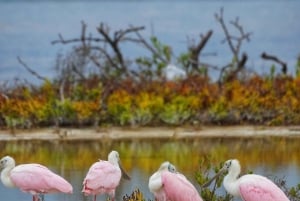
(28, 27)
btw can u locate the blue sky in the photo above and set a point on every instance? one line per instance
(27, 28)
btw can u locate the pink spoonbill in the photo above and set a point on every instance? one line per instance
(32, 178)
(169, 185)
(249, 187)
(103, 177)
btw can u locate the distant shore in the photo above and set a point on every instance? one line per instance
(120, 133)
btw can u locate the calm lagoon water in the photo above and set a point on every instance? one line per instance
(272, 157)
(28, 27)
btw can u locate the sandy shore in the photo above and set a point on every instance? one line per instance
(116, 133)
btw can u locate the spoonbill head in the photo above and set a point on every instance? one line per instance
(32, 178)
(168, 184)
(7, 163)
(250, 187)
(104, 177)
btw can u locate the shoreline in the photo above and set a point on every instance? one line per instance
(121, 133)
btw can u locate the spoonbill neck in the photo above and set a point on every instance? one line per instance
(231, 181)
(5, 177)
(231, 184)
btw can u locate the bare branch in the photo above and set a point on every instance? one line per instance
(107, 56)
(76, 71)
(205, 65)
(64, 41)
(196, 50)
(223, 69)
(243, 35)
(219, 17)
(115, 58)
(275, 59)
(82, 38)
(114, 44)
(149, 47)
(119, 35)
(242, 62)
(235, 48)
(34, 73)
(233, 73)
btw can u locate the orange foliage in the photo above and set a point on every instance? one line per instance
(85, 109)
(260, 99)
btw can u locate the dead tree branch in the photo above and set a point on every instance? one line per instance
(104, 50)
(120, 35)
(234, 43)
(149, 47)
(114, 41)
(34, 73)
(82, 38)
(275, 59)
(234, 47)
(232, 74)
(240, 66)
(243, 36)
(195, 50)
(219, 17)
(64, 41)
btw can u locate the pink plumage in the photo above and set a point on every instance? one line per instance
(258, 188)
(250, 187)
(32, 178)
(178, 188)
(103, 177)
(168, 185)
(37, 179)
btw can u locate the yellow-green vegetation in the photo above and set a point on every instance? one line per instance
(192, 101)
(136, 195)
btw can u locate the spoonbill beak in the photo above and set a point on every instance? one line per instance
(221, 171)
(124, 174)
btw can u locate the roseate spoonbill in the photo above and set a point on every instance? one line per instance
(168, 185)
(250, 187)
(103, 177)
(32, 178)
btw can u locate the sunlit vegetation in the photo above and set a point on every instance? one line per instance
(136, 195)
(192, 101)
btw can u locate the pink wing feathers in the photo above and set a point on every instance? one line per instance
(178, 188)
(259, 188)
(35, 178)
(102, 177)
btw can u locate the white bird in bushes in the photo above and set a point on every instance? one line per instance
(173, 72)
